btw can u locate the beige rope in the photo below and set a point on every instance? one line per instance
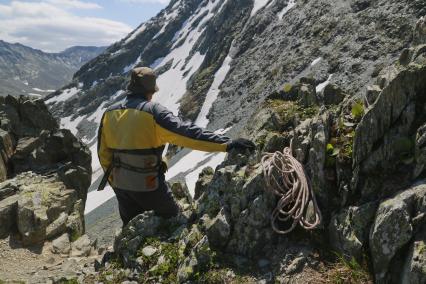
(286, 178)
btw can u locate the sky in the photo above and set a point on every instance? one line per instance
(54, 25)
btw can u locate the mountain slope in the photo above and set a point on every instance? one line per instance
(27, 70)
(218, 60)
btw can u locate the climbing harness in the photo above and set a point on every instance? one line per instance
(286, 178)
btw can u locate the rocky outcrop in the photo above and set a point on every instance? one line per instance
(399, 221)
(45, 174)
(365, 160)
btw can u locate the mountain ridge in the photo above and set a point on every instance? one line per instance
(25, 70)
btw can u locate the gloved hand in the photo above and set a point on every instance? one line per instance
(241, 144)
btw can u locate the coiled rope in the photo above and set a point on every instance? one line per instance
(286, 178)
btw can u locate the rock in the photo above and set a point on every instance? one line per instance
(393, 227)
(181, 191)
(197, 261)
(414, 270)
(373, 92)
(384, 139)
(62, 244)
(8, 208)
(219, 229)
(128, 242)
(420, 31)
(307, 95)
(81, 247)
(349, 230)
(25, 146)
(42, 200)
(420, 151)
(58, 226)
(333, 95)
(203, 181)
(149, 251)
(7, 189)
(7, 145)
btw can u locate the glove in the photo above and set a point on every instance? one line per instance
(241, 144)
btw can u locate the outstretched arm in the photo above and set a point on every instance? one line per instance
(172, 129)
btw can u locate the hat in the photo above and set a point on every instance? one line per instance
(143, 80)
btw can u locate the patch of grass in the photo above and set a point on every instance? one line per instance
(167, 270)
(67, 281)
(349, 272)
(357, 110)
(219, 276)
(287, 110)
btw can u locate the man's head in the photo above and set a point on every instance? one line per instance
(143, 81)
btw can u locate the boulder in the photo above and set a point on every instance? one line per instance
(8, 209)
(332, 95)
(197, 261)
(420, 31)
(81, 247)
(219, 229)
(204, 179)
(62, 244)
(414, 270)
(349, 229)
(393, 227)
(58, 226)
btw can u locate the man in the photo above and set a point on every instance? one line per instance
(131, 140)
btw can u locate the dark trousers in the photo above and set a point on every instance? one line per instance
(132, 203)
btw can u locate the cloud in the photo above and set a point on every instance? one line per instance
(51, 26)
(75, 4)
(164, 2)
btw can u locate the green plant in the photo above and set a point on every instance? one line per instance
(349, 271)
(67, 281)
(287, 87)
(357, 110)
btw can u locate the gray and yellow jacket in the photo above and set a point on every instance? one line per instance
(132, 137)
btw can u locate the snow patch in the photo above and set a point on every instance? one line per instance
(321, 86)
(97, 198)
(316, 61)
(213, 92)
(290, 5)
(133, 65)
(258, 4)
(173, 82)
(43, 91)
(35, 95)
(135, 33)
(71, 124)
(192, 178)
(65, 95)
(156, 63)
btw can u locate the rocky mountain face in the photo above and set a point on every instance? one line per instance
(44, 173)
(366, 165)
(24, 70)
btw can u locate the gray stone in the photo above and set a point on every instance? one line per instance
(8, 208)
(332, 95)
(58, 226)
(349, 230)
(420, 31)
(373, 92)
(62, 244)
(198, 260)
(414, 270)
(81, 247)
(203, 181)
(219, 229)
(149, 251)
(393, 228)
(420, 151)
